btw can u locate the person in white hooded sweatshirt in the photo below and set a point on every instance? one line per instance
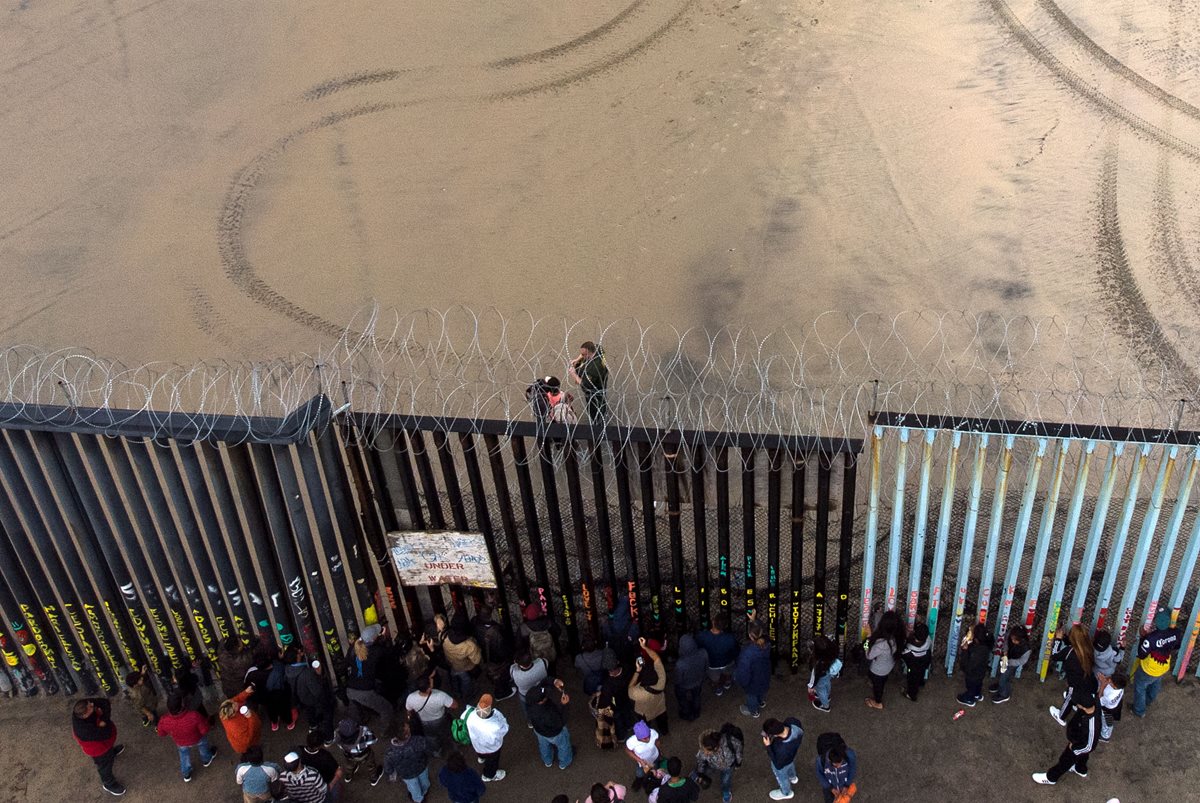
(487, 728)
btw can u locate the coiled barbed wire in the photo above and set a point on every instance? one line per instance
(820, 377)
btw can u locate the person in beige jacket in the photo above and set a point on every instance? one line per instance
(463, 655)
(646, 688)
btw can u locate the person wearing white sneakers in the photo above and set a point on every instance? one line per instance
(1082, 733)
(487, 728)
(782, 740)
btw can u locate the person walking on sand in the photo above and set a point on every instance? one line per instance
(782, 740)
(883, 648)
(1082, 733)
(487, 728)
(93, 729)
(188, 729)
(590, 372)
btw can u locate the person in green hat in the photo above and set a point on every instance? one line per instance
(1153, 661)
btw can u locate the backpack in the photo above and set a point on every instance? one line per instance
(458, 727)
(561, 411)
(736, 740)
(541, 645)
(828, 741)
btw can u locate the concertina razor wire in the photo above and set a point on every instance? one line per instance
(820, 377)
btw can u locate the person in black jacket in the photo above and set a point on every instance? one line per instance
(546, 704)
(1082, 732)
(497, 651)
(1074, 649)
(977, 657)
(93, 728)
(362, 676)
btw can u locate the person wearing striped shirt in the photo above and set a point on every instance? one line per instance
(303, 784)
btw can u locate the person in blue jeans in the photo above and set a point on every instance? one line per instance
(826, 665)
(1153, 661)
(753, 672)
(407, 758)
(188, 729)
(720, 752)
(782, 740)
(546, 705)
(721, 647)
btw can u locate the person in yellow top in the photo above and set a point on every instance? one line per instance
(1153, 661)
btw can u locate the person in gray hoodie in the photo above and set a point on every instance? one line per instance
(1106, 656)
(690, 670)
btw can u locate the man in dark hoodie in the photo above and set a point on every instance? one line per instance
(689, 677)
(313, 696)
(234, 661)
(93, 728)
(497, 651)
(782, 740)
(622, 631)
(547, 704)
(363, 683)
(722, 649)
(614, 694)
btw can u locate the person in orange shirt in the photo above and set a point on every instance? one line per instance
(243, 726)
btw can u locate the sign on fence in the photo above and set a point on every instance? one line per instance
(431, 559)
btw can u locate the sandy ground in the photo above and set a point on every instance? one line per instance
(204, 180)
(908, 752)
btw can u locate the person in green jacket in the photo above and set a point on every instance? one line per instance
(590, 372)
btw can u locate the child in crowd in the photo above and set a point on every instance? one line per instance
(1106, 656)
(977, 654)
(355, 741)
(1112, 692)
(1015, 655)
(917, 659)
(143, 696)
(826, 666)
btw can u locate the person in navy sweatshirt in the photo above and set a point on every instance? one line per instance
(463, 785)
(836, 770)
(782, 740)
(753, 672)
(721, 646)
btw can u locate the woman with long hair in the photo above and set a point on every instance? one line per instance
(1074, 649)
(883, 650)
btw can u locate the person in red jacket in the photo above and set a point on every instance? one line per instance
(243, 727)
(188, 729)
(92, 726)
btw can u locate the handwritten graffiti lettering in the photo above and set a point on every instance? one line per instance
(424, 558)
(128, 593)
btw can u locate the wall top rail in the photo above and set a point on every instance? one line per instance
(292, 428)
(1037, 429)
(802, 444)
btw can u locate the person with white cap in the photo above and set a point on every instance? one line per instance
(303, 784)
(243, 726)
(487, 728)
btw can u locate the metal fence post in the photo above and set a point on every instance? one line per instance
(897, 532)
(968, 543)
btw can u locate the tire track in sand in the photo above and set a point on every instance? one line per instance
(232, 220)
(1115, 64)
(1108, 106)
(1119, 287)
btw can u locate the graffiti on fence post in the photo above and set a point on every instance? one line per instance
(968, 543)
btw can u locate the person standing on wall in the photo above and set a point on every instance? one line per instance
(93, 728)
(590, 372)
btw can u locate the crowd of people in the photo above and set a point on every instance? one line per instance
(410, 700)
